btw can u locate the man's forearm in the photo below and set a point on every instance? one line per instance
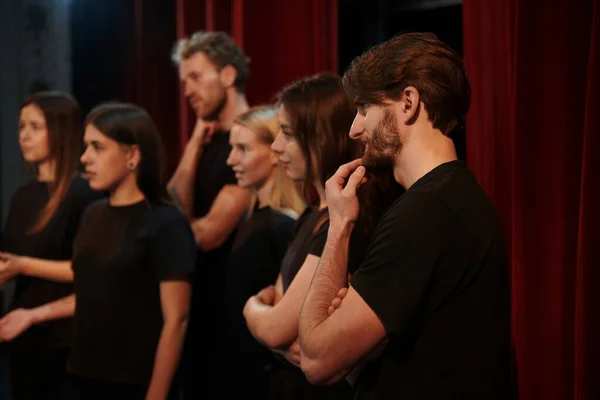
(330, 277)
(58, 271)
(58, 309)
(213, 229)
(181, 184)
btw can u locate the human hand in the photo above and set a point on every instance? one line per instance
(15, 323)
(293, 353)
(337, 302)
(267, 295)
(204, 130)
(10, 266)
(340, 191)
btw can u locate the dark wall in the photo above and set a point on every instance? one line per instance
(121, 51)
(102, 35)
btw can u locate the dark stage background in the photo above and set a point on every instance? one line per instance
(532, 135)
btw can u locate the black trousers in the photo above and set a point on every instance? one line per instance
(289, 383)
(79, 388)
(37, 366)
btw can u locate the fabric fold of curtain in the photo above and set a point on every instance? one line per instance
(532, 141)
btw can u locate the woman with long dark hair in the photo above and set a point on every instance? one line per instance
(132, 261)
(42, 222)
(315, 116)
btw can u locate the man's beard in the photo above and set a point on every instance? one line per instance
(214, 112)
(381, 151)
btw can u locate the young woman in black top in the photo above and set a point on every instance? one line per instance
(42, 222)
(132, 260)
(262, 238)
(315, 116)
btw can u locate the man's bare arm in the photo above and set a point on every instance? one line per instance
(334, 343)
(212, 230)
(181, 185)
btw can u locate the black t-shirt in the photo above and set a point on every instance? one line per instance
(436, 275)
(310, 238)
(120, 256)
(254, 261)
(54, 242)
(212, 173)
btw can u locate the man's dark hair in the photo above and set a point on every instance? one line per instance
(420, 60)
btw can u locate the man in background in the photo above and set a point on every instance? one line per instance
(212, 71)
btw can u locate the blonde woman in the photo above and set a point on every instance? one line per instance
(262, 238)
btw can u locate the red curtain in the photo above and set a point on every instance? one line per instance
(150, 80)
(533, 142)
(284, 39)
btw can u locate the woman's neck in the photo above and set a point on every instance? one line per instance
(263, 194)
(46, 171)
(126, 193)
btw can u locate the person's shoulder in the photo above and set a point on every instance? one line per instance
(80, 189)
(26, 188)
(269, 221)
(79, 183)
(99, 204)
(458, 192)
(25, 197)
(436, 180)
(165, 222)
(282, 222)
(220, 139)
(414, 205)
(165, 214)
(428, 194)
(287, 213)
(222, 135)
(96, 209)
(413, 211)
(283, 217)
(308, 211)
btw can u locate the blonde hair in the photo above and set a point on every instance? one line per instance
(285, 197)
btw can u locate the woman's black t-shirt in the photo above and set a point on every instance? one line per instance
(120, 256)
(255, 258)
(310, 238)
(53, 242)
(254, 261)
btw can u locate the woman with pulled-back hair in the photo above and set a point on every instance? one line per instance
(133, 257)
(315, 116)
